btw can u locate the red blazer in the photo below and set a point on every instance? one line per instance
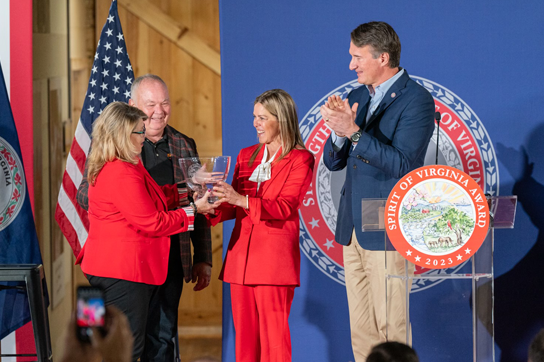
(264, 246)
(129, 225)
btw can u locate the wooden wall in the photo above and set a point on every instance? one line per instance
(175, 39)
(51, 114)
(179, 41)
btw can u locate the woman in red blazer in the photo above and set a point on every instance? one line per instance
(262, 263)
(126, 252)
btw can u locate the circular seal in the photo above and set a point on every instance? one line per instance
(463, 143)
(12, 184)
(436, 217)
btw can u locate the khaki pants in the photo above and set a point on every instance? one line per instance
(365, 285)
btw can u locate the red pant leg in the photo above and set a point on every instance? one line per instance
(274, 306)
(246, 323)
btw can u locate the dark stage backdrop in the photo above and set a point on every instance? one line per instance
(482, 63)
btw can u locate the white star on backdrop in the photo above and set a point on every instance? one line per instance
(329, 244)
(314, 223)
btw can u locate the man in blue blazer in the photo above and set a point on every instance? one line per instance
(381, 132)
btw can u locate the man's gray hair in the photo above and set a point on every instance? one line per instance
(140, 79)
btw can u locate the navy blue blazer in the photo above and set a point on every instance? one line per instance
(394, 142)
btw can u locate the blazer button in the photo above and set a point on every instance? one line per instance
(354, 166)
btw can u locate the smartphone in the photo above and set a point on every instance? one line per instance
(91, 312)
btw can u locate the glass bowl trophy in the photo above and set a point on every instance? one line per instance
(203, 173)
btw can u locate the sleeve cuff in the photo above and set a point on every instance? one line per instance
(183, 194)
(337, 141)
(254, 211)
(190, 218)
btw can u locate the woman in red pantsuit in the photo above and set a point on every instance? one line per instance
(262, 263)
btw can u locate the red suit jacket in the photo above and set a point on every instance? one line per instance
(129, 225)
(264, 246)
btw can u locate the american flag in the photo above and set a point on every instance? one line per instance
(111, 79)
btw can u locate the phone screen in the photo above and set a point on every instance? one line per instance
(91, 311)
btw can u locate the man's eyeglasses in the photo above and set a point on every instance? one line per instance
(140, 133)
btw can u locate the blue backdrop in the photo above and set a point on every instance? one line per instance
(488, 57)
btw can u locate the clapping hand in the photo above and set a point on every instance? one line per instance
(339, 116)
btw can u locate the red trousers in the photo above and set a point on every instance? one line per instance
(261, 316)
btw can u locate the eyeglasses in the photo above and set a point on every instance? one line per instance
(140, 133)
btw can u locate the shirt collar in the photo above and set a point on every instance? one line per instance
(164, 138)
(382, 89)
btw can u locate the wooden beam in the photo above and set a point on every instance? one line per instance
(175, 32)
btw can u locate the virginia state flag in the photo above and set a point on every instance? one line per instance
(18, 239)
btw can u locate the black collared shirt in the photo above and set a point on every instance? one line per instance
(158, 161)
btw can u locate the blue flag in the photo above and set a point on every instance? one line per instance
(18, 239)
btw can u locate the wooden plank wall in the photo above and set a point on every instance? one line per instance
(51, 114)
(190, 68)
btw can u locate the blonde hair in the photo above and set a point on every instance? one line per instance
(282, 106)
(111, 137)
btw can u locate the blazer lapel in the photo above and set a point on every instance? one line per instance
(394, 93)
(362, 109)
(276, 169)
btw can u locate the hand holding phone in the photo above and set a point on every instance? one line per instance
(118, 342)
(97, 332)
(116, 345)
(91, 312)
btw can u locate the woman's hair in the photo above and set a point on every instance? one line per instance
(111, 137)
(280, 104)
